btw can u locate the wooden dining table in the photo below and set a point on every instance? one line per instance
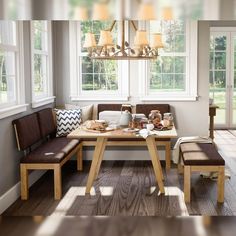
(119, 134)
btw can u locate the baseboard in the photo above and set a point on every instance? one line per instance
(13, 194)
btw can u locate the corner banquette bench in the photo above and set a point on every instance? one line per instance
(52, 153)
(202, 157)
(140, 108)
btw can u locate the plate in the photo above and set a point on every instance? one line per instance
(130, 130)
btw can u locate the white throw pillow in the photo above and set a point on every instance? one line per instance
(67, 121)
(110, 116)
(87, 111)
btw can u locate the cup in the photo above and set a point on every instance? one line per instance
(149, 127)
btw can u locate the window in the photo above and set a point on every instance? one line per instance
(218, 73)
(168, 77)
(41, 46)
(96, 79)
(11, 69)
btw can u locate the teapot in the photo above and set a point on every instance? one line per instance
(125, 118)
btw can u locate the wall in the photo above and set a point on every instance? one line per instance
(9, 155)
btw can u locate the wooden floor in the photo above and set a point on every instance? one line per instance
(127, 188)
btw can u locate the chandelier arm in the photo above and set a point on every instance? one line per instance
(101, 50)
(135, 28)
(123, 36)
(112, 26)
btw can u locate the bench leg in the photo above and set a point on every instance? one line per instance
(24, 182)
(187, 185)
(80, 158)
(221, 184)
(57, 182)
(168, 159)
(180, 169)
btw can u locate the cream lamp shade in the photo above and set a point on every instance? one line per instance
(89, 40)
(167, 13)
(156, 41)
(100, 11)
(105, 38)
(146, 12)
(140, 38)
(81, 13)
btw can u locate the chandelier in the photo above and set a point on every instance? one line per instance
(106, 49)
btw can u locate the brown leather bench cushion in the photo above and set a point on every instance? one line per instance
(146, 108)
(46, 122)
(28, 131)
(53, 151)
(110, 107)
(200, 154)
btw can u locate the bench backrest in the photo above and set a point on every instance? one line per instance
(27, 131)
(32, 128)
(46, 122)
(146, 108)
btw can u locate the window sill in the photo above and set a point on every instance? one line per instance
(169, 98)
(13, 110)
(102, 98)
(43, 101)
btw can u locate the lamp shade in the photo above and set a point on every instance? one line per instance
(146, 12)
(100, 11)
(156, 41)
(140, 38)
(81, 13)
(89, 40)
(167, 13)
(105, 38)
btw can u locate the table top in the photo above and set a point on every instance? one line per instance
(119, 133)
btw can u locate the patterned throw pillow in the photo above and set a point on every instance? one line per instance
(67, 121)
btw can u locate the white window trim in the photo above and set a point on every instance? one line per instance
(76, 93)
(46, 98)
(20, 105)
(191, 73)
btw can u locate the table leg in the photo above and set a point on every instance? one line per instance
(100, 158)
(99, 149)
(168, 155)
(151, 144)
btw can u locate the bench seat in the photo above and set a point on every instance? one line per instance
(199, 154)
(53, 151)
(202, 157)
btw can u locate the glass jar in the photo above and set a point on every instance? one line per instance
(155, 116)
(169, 116)
(143, 123)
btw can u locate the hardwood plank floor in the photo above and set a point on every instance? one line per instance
(128, 188)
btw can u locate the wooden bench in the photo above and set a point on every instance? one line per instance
(51, 153)
(202, 157)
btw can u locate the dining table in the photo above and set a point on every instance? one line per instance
(102, 138)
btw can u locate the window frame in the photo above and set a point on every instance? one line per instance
(19, 105)
(48, 97)
(190, 93)
(76, 92)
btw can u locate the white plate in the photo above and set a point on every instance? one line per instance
(129, 130)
